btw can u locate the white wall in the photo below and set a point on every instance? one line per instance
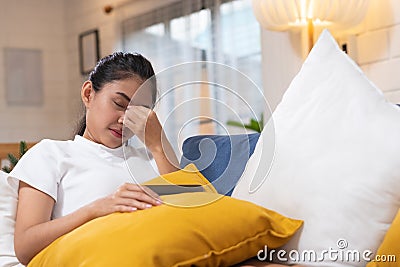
(38, 24)
(375, 46)
(378, 47)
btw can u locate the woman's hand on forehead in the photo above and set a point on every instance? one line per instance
(144, 123)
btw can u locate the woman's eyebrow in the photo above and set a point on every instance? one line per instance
(124, 96)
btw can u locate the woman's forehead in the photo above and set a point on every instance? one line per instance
(127, 86)
(131, 90)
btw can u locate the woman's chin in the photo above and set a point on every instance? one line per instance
(114, 144)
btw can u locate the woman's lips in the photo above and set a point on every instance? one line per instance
(116, 133)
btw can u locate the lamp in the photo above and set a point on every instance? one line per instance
(281, 15)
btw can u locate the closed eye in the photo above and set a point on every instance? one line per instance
(119, 105)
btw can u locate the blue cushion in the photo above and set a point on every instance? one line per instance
(220, 158)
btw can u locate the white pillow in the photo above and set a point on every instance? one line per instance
(337, 163)
(8, 209)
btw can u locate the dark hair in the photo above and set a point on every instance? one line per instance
(115, 67)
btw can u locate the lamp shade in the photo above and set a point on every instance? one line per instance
(280, 15)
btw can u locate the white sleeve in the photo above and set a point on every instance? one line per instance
(38, 167)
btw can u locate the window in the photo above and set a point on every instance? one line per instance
(223, 31)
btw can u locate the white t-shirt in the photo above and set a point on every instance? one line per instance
(75, 173)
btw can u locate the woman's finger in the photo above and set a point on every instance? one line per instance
(138, 112)
(133, 126)
(134, 203)
(144, 111)
(139, 196)
(124, 208)
(135, 122)
(131, 116)
(131, 187)
(130, 190)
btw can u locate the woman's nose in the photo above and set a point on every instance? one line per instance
(121, 116)
(121, 120)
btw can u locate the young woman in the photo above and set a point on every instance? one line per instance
(64, 184)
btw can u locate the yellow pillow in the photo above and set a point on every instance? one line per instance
(215, 233)
(189, 175)
(388, 254)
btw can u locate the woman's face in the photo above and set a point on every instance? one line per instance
(105, 110)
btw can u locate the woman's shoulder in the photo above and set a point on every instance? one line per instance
(52, 143)
(43, 156)
(50, 146)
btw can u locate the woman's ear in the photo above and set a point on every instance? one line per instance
(87, 93)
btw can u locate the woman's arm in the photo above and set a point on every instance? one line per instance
(34, 229)
(165, 157)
